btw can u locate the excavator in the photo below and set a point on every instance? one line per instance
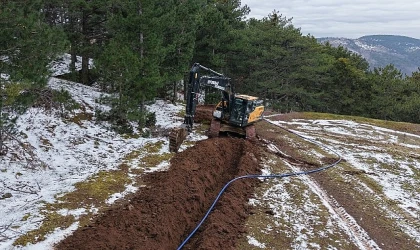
(235, 113)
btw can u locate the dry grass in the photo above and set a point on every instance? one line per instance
(92, 194)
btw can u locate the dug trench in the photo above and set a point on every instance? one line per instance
(163, 213)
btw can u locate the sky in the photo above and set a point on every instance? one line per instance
(345, 18)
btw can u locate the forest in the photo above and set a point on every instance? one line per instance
(143, 49)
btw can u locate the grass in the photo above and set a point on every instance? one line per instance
(280, 232)
(358, 186)
(51, 221)
(92, 193)
(153, 148)
(80, 117)
(399, 126)
(181, 113)
(149, 161)
(46, 144)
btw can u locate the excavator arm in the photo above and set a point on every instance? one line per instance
(196, 81)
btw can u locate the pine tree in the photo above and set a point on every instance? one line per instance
(27, 47)
(180, 24)
(217, 31)
(119, 67)
(277, 50)
(387, 88)
(135, 27)
(409, 109)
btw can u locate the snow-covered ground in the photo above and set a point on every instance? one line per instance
(388, 158)
(61, 153)
(51, 154)
(391, 180)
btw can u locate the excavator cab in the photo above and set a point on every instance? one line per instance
(238, 113)
(237, 116)
(246, 110)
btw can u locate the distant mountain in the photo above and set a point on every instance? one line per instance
(381, 50)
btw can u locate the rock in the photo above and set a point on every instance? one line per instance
(6, 195)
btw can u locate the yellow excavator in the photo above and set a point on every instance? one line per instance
(234, 113)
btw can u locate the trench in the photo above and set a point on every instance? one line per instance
(163, 213)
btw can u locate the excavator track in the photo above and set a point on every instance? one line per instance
(217, 126)
(176, 137)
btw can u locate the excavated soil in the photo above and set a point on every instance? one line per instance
(204, 113)
(162, 214)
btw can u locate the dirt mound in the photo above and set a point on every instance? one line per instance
(204, 113)
(163, 214)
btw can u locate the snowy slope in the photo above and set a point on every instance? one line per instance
(51, 154)
(381, 50)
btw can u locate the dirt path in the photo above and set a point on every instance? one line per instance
(368, 226)
(359, 236)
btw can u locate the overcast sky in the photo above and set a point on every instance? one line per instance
(345, 18)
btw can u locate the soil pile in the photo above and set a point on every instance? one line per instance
(162, 214)
(204, 113)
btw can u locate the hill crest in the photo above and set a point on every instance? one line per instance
(381, 50)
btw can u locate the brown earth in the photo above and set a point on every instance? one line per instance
(163, 213)
(204, 113)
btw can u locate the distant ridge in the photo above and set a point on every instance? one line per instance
(381, 50)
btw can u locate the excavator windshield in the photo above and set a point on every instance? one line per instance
(238, 112)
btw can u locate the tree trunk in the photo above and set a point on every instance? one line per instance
(73, 58)
(141, 36)
(85, 69)
(84, 77)
(175, 91)
(73, 45)
(1, 121)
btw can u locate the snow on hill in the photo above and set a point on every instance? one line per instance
(52, 154)
(381, 50)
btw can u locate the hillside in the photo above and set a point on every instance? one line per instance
(381, 50)
(71, 182)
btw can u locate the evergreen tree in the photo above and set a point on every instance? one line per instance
(409, 108)
(216, 32)
(349, 91)
(136, 27)
(88, 19)
(180, 24)
(119, 66)
(281, 66)
(84, 24)
(387, 87)
(27, 46)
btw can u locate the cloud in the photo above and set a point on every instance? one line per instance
(350, 19)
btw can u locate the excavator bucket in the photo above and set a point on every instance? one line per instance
(176, 137)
